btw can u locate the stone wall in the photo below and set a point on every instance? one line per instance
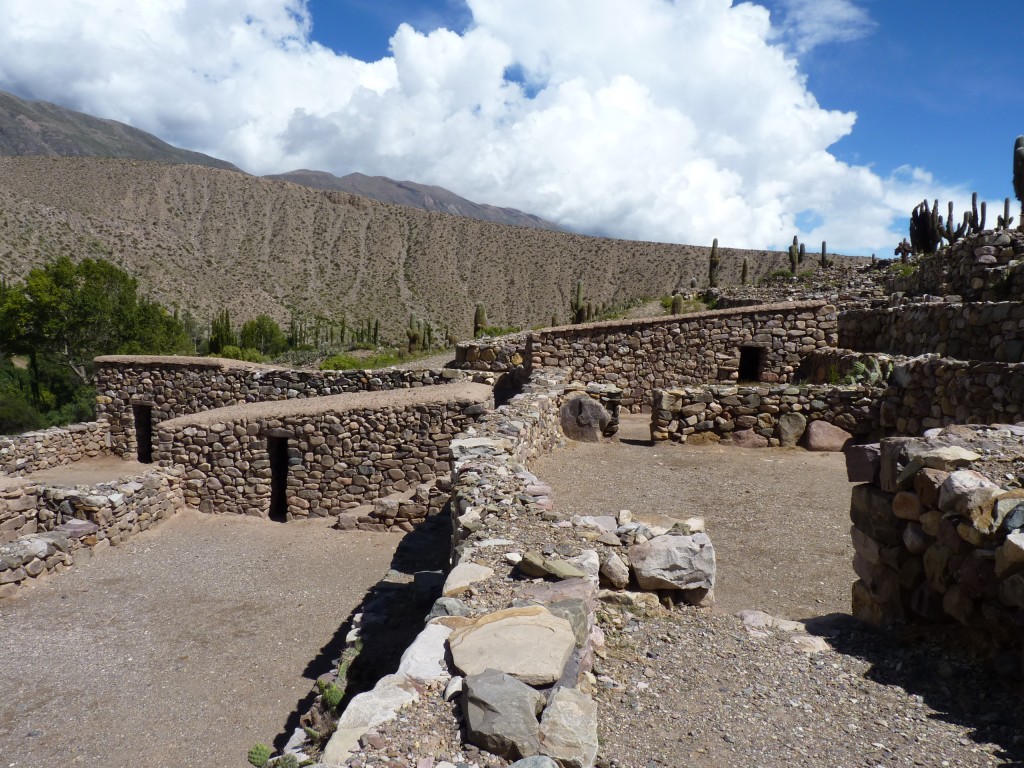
(47, 529)
(778, 414)
(500, 354)
(32, 451)
(988, 266)
(938, 532)
(979, 331)
(337, 451)
(639, 356)
(170, 387)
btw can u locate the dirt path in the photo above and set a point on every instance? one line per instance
(183, 647)
(102, 469)
(779, 519)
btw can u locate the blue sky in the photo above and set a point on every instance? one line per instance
(669, 120)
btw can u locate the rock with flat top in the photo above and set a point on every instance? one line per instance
(529, 643)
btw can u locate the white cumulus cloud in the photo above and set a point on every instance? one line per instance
(666, 120)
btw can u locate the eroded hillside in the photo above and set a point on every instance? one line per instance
(204, 239)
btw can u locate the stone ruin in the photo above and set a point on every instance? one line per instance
(923, 389)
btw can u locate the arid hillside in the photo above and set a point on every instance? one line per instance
(42, 128)
(205, 239)
(409, 193)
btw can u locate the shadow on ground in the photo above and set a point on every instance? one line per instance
(393, 612)
(982, 695)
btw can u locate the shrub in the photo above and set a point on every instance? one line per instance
(17, 415)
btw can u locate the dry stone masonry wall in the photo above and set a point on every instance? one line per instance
(938, 531)
(33, 451)
(977, 331)
(764, 416)
(47, 529)
(169, 387)
(333, 453)
(764, 343)
(988, 266)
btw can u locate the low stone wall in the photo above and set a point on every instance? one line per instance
(32, 451)
(499, 355)
(979, 331)
(929, 391)
(779, 415)
(47, 529)
(170, 387)
(513, 639)
(983, 267)
(336, 452)
(937, 533)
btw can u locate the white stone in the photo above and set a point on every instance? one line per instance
(463, 576)
(424, 659)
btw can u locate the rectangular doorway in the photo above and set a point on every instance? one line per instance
(277, 447)
(751, 363)
(143, 415)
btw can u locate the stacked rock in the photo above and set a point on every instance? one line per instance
(937, 532)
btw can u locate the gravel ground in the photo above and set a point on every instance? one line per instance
(779, 519)
(184, 646)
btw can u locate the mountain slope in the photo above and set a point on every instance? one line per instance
(415, 195)
(206, 239)
(41, 128)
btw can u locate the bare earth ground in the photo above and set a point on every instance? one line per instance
(183, 647)
(102, 469)
(693, 687)
(779, 519)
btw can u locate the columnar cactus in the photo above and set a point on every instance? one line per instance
(713, 265)
(479, 319)
(677, 304)
(794, 258)
(578, 305)
(1004, 221)
(744, 274)
(414, 333)
(924, 228)
(802, 253)
(824, 256)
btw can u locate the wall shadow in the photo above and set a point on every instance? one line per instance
(393, 611)
(982, 695)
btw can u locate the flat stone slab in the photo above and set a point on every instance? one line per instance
(463, 576)
(529, 643)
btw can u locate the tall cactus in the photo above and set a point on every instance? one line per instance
(924, 228)
(825, 263)
(677, 304)
(952, 235)
(578, 305)
(794, 257)
(479, 319)
(802, 253)
(1018, 175)
(713, 265)
(744, 273)
(1004, 221)
(977, 222)
(414, 334)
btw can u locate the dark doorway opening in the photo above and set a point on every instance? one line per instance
(751, 363)
(277, 447)
(143, 432)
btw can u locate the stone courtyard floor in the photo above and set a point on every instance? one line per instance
(183, 647)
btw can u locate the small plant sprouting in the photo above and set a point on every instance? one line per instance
(332, 694)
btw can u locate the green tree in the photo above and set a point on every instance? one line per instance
(264, 335)
(65, 314)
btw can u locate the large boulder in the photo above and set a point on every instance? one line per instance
(501, 714)
(584, 419)
(674, 562)
(822, 436)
